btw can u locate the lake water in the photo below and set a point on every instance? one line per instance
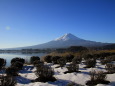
(9, 56)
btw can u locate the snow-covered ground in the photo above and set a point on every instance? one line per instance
(28, 74)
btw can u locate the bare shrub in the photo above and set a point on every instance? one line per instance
(90, 63)
(72, 68)
(110, 68)
(44, 74)
(97, 77)
(100, 76)
(93, 75)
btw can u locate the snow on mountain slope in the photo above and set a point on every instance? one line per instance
(66, 37)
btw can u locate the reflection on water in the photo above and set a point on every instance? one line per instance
(9, 56)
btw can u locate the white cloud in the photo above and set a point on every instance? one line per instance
(7, 28)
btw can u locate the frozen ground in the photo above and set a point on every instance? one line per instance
(62, 79)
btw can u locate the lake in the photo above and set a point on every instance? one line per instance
(9, 56)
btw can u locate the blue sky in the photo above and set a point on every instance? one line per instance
(31, 22)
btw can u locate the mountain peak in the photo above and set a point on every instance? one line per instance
(67, 36)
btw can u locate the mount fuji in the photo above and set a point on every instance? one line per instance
(65, 41)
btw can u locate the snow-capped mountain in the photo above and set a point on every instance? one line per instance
(65, 41)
